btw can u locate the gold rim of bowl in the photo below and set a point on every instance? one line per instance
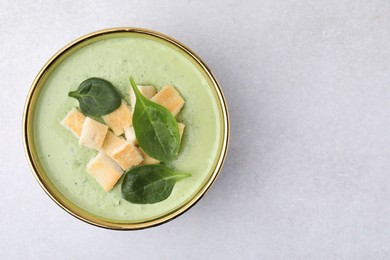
(71, 208)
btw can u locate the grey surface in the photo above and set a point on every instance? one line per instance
(307, 174)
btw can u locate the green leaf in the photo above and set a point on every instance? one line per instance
(97, 97)
(148, 184)
(155, 128)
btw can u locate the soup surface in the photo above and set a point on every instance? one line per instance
(151, 61)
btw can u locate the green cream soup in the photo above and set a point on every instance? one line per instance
(151, 61)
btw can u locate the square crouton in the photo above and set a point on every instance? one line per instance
(121, 151)
(146, 91)
(105, 171)
(170, 99)
(181, 127)
(130, 135)
(74, 121)
(93, 133)
(147, 158)
(119, 119)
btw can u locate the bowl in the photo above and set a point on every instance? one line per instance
(58, 162)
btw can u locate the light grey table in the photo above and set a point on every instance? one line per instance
(308, 171)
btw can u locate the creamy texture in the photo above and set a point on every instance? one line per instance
(151, 62)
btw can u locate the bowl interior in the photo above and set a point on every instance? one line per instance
(59, 161)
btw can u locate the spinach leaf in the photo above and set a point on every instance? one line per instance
(97, 97)
(155, 128)
(148, 184)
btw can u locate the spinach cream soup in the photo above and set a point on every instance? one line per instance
(151, 61)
